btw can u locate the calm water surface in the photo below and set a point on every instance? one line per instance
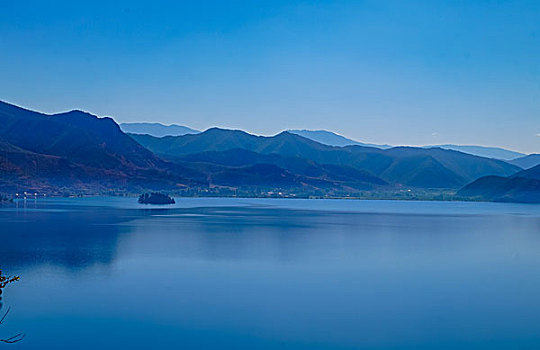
(271, 274)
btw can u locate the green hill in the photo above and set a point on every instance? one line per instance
(522, 187)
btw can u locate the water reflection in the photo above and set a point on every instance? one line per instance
(269, 277)
(76, 237)
(71, 239)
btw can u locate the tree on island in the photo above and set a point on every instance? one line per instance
(4, 281)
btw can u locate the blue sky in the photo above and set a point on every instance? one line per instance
(398, 72)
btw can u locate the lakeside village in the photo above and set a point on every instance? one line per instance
(21, 196)
(252, 192)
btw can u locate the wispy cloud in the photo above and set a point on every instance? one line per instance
(538, 134)
(434, 134)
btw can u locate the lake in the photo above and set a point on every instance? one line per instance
(271, 274)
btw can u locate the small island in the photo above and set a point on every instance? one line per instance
(155, 198)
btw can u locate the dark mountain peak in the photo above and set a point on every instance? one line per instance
(10, 113)
(222, 133)
(81, 136)
(78, 112)
(22, 112)
(229, 134)
(14, 111)
(216, 129)
(286, 133)
(89, 124)
(286, 136)
(79, 150)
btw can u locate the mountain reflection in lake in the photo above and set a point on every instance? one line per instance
(273, 274)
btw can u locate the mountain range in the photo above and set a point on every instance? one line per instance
(79, 152)
(401, 166)
(333, 139)
(325, 137)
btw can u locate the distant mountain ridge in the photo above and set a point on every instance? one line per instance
(527, 162)
(407, 166)
(482, 151)
(332, 139)
(157, 129)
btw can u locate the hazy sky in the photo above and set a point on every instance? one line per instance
(398, 72)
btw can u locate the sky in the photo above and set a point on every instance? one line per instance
(397, 72)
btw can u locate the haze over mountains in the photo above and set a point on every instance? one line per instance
(79, 152)
(333, 139)
(483, 151)
(325, 137)
(157, 129)
(527, 162)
